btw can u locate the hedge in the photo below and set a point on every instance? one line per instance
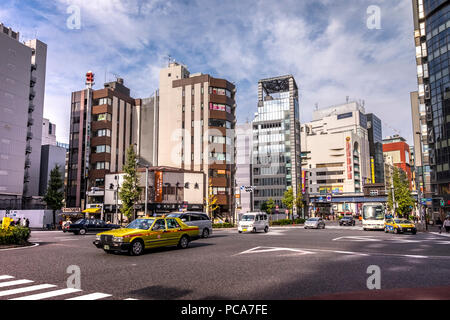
(287, 222)
(223, 225)
(14, 235)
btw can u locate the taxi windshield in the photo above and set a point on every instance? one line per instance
(402, 221)
(248, 218)
(141, 224)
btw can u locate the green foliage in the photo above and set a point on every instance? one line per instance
(263, 206)
(404, 202)
(288, 199)
(54, 197)
(223, 226)
(14, 236)
(130, 191)
(287, 222)
(270, 206)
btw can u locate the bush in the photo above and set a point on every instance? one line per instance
(287, 222)
(14, 235)
(223, 226)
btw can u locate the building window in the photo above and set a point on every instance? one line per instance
(102, 166)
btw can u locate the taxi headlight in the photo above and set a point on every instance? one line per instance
(98, 238)
(117, 239)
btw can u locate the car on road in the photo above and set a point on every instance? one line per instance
(347, 221)
(315, 223)
(254, 222)
(399, 226)
(147, 233)
(83, 226)
(198, 219)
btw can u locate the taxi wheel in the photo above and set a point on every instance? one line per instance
(137, 248)
(184, 242)
(386, 230)
(396, 231)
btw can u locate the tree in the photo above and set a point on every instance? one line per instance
(270, 206)
(299, 203)
(288, 199)
(54, 197)
(130, 191)
(404, 202)
(263, 206)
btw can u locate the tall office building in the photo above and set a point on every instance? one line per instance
(22, 87)
(244, 168)
(276, 141)
(101, 131)
(197, 118)
(432, 30)
(375, 136)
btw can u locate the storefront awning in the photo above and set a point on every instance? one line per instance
(92, 210)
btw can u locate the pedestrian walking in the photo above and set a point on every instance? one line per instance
(439, 224)
(27, 223)
(447, 225)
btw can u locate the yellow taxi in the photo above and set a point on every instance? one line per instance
(147, 233)
(397, 225)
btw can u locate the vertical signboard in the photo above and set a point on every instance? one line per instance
(303, 181)
(349, 159)
(158, 186)
(372, 164)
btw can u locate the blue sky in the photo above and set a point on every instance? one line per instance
(325, 44)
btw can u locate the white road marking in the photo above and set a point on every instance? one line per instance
(26, 289)
(129, 299)
(51, 294)
(92, 296)
(357, 239)
(271, 249)
(6, 277)
(14, 283)
(21, 248)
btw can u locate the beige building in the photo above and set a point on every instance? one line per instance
(335, 150)
(197, 117)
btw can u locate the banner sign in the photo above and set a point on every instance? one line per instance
(158, 186)
(349, 160)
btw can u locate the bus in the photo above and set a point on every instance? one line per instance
(373, 216)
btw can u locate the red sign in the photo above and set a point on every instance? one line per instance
(158, 186)
(349, 160)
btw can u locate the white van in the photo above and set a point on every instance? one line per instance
(254, 222)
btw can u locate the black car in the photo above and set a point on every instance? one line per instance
(347, 221)
(84, 226)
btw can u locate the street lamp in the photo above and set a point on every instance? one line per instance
(422, 214)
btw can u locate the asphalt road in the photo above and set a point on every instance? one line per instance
(286, 263)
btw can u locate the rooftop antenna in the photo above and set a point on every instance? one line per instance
(317, 106)
(347, 98)
(170, 59)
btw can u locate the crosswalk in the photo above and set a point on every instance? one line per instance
(24, 289)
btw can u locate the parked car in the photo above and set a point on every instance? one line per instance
(197, 219)
(147, 233)
(399, 226)
(347, 221)
(254, 222)
(84, 226)
(315, 223)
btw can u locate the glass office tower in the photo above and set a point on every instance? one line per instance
(432, 36)
(375, 135)
(276, 141)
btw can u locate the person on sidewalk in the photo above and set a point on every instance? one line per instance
(439, 224)
(447, 225)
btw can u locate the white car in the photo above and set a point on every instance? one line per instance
(254, 222)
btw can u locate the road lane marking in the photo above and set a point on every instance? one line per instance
(6, 277)
(92, 296)
(26, 289)
(14, 283)
(273, 249)
(50, 294)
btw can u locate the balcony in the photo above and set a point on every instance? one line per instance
(33, 80)
(30, 121)
(27, 163)
(33, 66)
(28, 149)
(32, 93)
(29, 135)
(26, 177)
(31, 107)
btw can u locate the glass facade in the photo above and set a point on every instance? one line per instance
(375, 135)
(437, 14)
(273, 135)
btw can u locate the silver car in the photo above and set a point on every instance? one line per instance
(197, 219)
(315, 223)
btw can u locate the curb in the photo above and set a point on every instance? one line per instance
(21, 248)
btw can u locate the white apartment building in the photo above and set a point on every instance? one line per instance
(22, 86)
(48, 133)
